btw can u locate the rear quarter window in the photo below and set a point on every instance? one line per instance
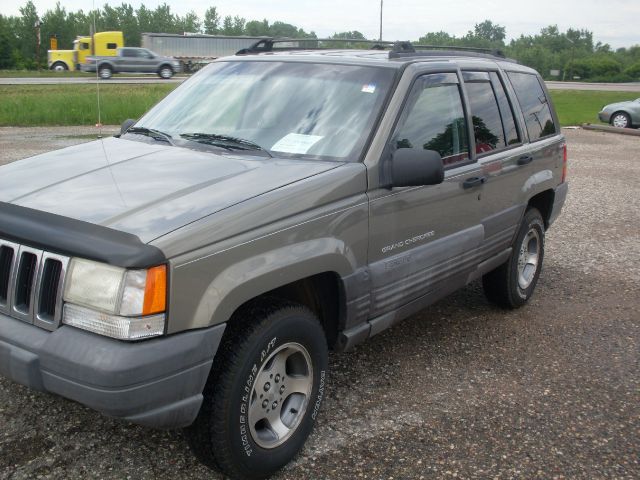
(534, 105)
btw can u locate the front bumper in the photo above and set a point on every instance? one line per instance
(604, 117)
(157, 383)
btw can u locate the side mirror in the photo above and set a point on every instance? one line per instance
(126, 125)
(414, 167)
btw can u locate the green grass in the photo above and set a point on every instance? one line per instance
(48, 105)
(45, 73)
(576, 107)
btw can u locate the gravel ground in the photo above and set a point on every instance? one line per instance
(461, 389)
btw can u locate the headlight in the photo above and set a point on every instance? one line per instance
(113, 301)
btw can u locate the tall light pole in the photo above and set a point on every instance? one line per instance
(380, 39)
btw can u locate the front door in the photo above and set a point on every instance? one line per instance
(427, 240)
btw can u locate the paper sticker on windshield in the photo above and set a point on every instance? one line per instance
(369, 88)
(295, 143)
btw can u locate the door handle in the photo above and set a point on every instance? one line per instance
(525, 159)
(473, 182)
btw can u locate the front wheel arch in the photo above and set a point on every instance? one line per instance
(59, 66)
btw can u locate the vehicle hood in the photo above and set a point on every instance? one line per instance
(614, 106)
(144, 189)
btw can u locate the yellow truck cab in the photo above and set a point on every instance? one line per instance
(104, 44)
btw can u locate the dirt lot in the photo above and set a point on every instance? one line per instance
(461, 389)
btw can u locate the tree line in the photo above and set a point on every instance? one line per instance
(571, 54)
(555, 54)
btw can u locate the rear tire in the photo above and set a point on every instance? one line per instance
(105, 72)
(165, 72)
(268, 376)
(512, 283)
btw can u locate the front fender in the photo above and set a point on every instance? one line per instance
(249, 276)
(259, 274)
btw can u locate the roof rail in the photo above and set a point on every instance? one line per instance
(496, 52)
(269, 44)
(398, 49)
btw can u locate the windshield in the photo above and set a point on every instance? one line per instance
(300, 110)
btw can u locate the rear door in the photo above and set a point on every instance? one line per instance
(145, 62)
(426, 240)
(124, 61)
(503, 157)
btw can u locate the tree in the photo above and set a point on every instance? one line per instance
(282, 29)
(437, 39)
(128, 23)
(145, 19)
(211, 21)
(163, 21)
(256, 28)
(489, 31)
(26, 34)
(55, 22)
(6, 43)
(190, 23)
(350, 35)
(233, 25)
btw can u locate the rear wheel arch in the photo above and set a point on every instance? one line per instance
(107, 68)
(543, 202)
(164, 67)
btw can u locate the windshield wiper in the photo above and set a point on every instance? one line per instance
(225, 141)
(150, 132)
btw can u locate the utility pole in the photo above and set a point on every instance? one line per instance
(37, 27)
(380, 39)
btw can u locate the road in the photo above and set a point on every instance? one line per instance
(62, 80)
(460, 390)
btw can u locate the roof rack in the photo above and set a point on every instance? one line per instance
(270, 44)
(398, 49)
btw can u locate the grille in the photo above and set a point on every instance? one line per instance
(31, 284)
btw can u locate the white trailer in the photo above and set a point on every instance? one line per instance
(195, 50)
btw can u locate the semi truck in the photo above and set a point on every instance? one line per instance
(101, 43)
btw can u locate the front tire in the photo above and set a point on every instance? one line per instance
(620, 120)
(264, 391)
(59, 67)
(512, 283)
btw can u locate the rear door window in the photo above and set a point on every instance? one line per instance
(534, 104)
(485, 114)
(434, 119)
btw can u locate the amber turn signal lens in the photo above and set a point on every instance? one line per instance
(155, 292)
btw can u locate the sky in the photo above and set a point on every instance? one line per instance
(612, 21)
